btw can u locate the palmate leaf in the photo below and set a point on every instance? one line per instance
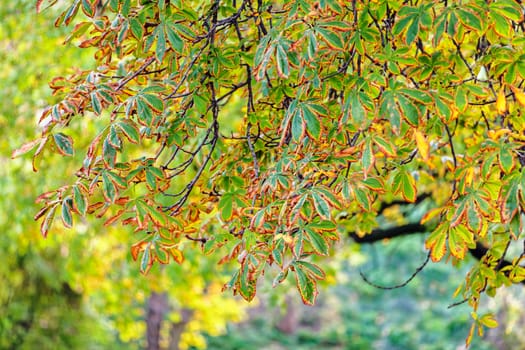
(404, 184)
(253, 130)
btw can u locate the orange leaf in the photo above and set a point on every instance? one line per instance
(519, 95)
(177, 255)
(26, 147)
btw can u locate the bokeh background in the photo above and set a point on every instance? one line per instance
(80, 289)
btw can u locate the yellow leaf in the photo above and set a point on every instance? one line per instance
(470, 334)
(430, 215)
(458, 247)
(488, 321)
(422, 145)
(436, 242)
(501, 102)
(519, 95)
(496, 135)
(469, 176)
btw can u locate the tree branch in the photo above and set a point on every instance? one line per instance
(392, 232)
(416, 228)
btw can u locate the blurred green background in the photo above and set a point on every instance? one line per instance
(79, 288)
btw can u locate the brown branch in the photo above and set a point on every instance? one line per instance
(376, 235)
(392, 232)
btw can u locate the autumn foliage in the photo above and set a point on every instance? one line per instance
(266, 129)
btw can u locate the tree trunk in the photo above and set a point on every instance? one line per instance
(177, 328)
(157, 307)
(289, 323)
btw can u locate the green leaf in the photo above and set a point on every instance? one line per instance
(109, 153)
(88, 8)
(151, 180)
(174, 39)
(468, 19)
(321, 205)
(95, 103)
(417, 95)
(362, 199)
(443, 108)
(306, 286)
(297, 126)
(410, 111)
(64, 144)
(298, 244)
(317, 242)
(506, 160)
(246, 284)
(136, 28)
(391, 112)
(161, 44)
(312, 45)
(154, 102)
(313, 125)
(201, 103)
(108, 188)
(145, 262)
(385, 146)
(357, 109)
(130, 131)
(226, 206)
(367, 157)
(374, 184)
(113, 138)
(144, 112)
(412, 32)
(79, 200)
(156, 216)
(322, 225)
(312, 270)
(405, 184)
(332, 39)
(436, 243)
(401, 24)
(67, 217)
(283, 67)
(48, 220)
(250, 239)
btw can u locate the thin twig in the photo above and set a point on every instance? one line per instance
(401, 285)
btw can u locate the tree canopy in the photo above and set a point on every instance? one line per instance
(267, 131)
